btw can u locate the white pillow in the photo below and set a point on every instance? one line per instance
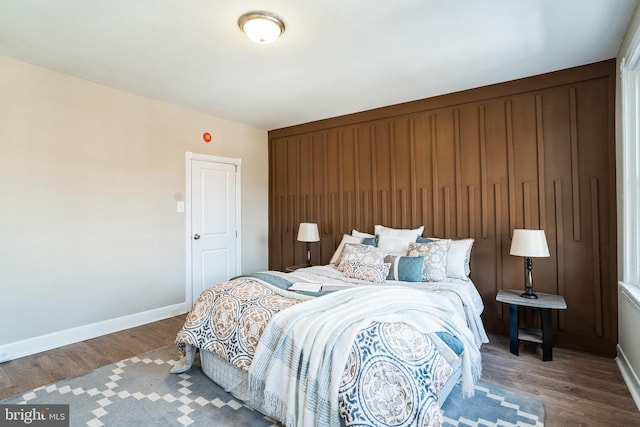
(357, 233)
(378, 228)
(396, 241)
(335, 259)
(458, 258)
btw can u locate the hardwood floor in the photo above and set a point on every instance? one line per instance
(577, 389)
(20, 375)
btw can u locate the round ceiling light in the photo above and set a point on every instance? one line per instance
(261, 27)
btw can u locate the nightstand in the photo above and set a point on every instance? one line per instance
(545, 303)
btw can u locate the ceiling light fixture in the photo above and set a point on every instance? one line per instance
(261, 27)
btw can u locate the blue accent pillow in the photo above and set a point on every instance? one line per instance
(421, 239)
(452, 341)
(371, 241)
(405, 268)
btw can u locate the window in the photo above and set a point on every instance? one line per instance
(630, 162)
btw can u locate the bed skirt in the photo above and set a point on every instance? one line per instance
(236, 381)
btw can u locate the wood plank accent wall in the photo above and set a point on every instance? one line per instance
(532, 153)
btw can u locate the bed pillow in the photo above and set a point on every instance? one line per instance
(421, 239)
(357, 233)
(376, 273)
(396, 241)
(335, 259)
(435, 259)
(405, 268)
(459, 258)
(371, 241)
(378, 228)
(363, 254)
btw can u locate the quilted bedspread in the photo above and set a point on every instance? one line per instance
(391, 372)
(396, 371)
(228, 319)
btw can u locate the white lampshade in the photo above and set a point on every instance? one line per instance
(308, 232)
(529, 243)
(261, 27)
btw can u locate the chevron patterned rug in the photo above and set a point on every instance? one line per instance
(140, 391)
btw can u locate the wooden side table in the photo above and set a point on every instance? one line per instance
(544, 302)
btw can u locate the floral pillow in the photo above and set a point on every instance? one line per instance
(435, 259)
(376, 273)
(458, 258)
(335, 259)
(363, 254)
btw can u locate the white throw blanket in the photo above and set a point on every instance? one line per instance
(464, 290)
(301, 355)
(473, 319)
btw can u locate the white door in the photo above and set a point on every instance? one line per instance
(214, 228)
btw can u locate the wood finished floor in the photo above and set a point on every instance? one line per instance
(577, 389)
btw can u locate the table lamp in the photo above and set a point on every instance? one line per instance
(308, 232)
(529, 244)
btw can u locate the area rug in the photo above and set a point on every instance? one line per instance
(140, 391)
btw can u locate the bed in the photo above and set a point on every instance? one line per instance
(360, 345)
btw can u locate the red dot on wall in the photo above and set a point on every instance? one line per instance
(206, 137)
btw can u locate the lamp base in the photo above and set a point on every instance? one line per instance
(528, 280)
(308, 254)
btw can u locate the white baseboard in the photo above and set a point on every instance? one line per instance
(41, 343)
(630, 377)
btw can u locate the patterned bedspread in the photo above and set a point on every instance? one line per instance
(228, 319)
(397, 372)
(391, 371)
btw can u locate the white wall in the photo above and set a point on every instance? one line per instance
(89, 180)
(628, 293)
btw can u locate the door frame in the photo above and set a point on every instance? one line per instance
(189, 157)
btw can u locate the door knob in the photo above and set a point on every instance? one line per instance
(196, 236)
